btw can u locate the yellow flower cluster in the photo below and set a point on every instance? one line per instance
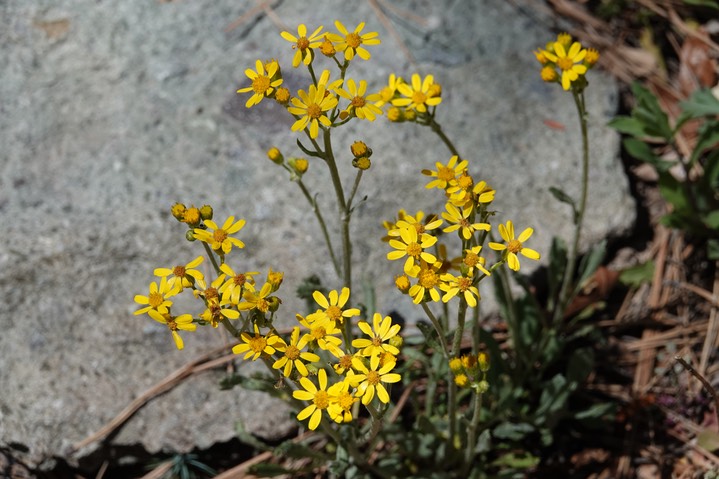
(317, 106)
(470, 371)
(566, 62)
(348, 370)
(414, 101)
(415, 239)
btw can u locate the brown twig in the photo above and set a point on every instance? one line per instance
(709, 388)
(710, 343)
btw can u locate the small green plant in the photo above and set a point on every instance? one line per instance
(689, 183)
(344, 369)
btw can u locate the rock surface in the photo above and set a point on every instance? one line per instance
(113, 111)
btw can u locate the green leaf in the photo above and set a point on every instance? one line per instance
(512, 431)
(595, 411)
(701, 103)
(581, 364)
(713, 249)
(589, 263)
(708, 138)
(553, 401)
(711, 220)
(430, 335)
(648, 112)
(637, 275)
(557, 269)
(247, 438)
(708, 440)
(269, 470)
(563, 197)
(518, 460)
(642, 151)
(628, 126)
(672, 191)
(703, 3)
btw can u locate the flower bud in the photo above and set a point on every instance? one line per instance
(394, 114)
(482, 387)
(190, 235)
(434, 90)
(410, 115)
(402, 283)
(327, 48)
(206, 212)
(396, 341)
(275, 155)
(274, 303)
(360, 148)
(362, 163)
(483, 362)
(299, 166)
(178, 211)
(192, 216)
(282, 96)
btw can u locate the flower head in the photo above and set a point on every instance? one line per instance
(428, 280)
(254, 345)
(333, 304)
(460, 220)
(292, 354)
(264, 81)
(218, 238)
(175, 323)
(311, 107)
(235, 284)
(383, 330)
(459, 285)
(419, 95)
(571, 60)
(157, 298)
(363, 107)
(303, 44)
(412, 245)
(351, 42)
(446, 174)
(319, 397)
(183, 276)
(514, 245)
(370, 380)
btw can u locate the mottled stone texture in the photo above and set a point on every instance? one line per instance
(112, 111)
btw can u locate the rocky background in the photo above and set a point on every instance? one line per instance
(112, 111)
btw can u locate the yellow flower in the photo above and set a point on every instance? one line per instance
(303, 44)
(418, 95)
(370, 379)
(472, 260)
(322, 331)
(319, 397)
(445, 174)
(361, 106)
(275, 279)
(455, 365)
(568, 61)
(549, 74)
(341, 402)
(156, 299)
(383, 331)
(292, 354)
(182, 322)
(351, 42)
(387, 93)
(183, 276)
(333, 306)
(254, 300)
(344, 362)
(235, 284)
(460, 221)
(514, 245)
(264, 81)
(454, 285)
(310, 107)
(428, 280)
(461, 380)
(256, 344)
(430, 223)
(412, 245)
(219, 239)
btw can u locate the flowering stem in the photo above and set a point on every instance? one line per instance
(472, 432)
(230, 328)
(452, 393)
(323, 225)
(212, 257)
(354, 189)
(564, 292)
(438, 328)
(438, 130)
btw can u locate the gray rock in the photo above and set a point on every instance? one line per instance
(111, 112)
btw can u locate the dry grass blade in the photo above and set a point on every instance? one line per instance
(159, 472)
(712, 337)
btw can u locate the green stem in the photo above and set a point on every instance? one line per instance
(323, 226)
(212, 257)
(564, 293)
(438, 328)
(452, 393)
(230, 328)
(438, 130)
(472, 432)
(354, 189)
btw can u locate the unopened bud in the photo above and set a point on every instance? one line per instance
(275, 155)
(190, 235)
(359, 148)
(206, 212)
(178, 211)
(362, 163)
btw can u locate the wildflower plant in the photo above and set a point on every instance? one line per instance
(341, 369)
